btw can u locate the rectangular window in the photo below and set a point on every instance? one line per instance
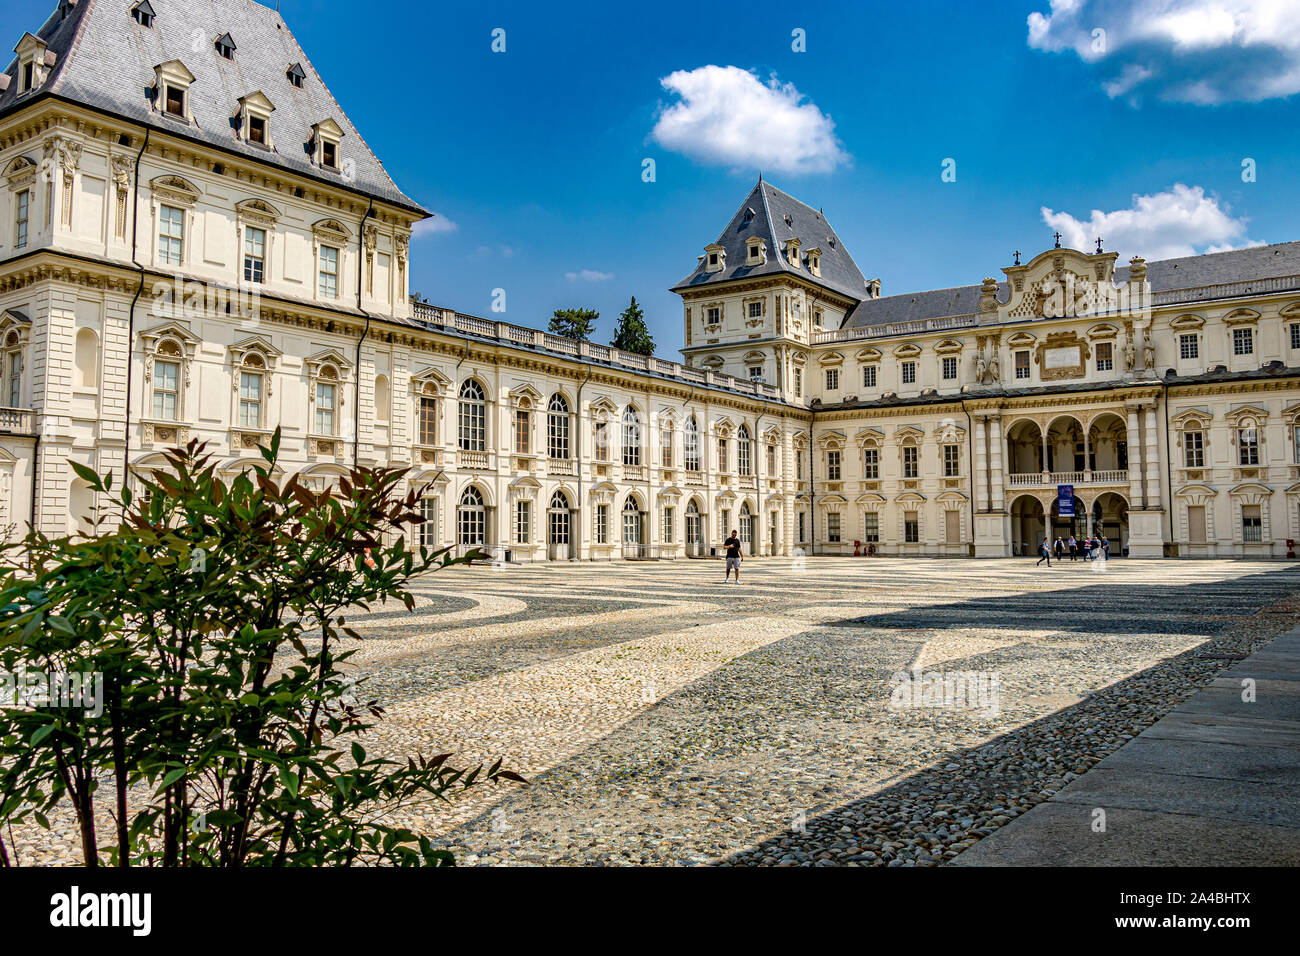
(868, 376)
(1196, 524)
(756, 308)
(22, 217)
(871, 527)
(1295, 335)
(1243, 341)
(832, 466)
(166, 378)
(951, 461)
(911, 528)
(329, 272)
(1295, 443)
(910, 455)
(1247, 446)
(802, 537)
(713, 316)
(429, 528)
(428, 420)
(250, 400)
(798, 465)
(324, 408)
(1252, 523)
(832, 379)
(949, 367)
(1189, 345)
(771, 461)
(909, 373)
(833, 527)
(756, 373)
(171, 236)
(257, 130)
(871, 464)
(722, 454)
(602, 524)
(1105, 356)
(1022, 364)
(1194, 449)
(523, 521)
(666, 533)
(602, 441)
(329, 153)
(254, 254)
(798, 383)
(15, 379)
(174, 101)
(523, 427)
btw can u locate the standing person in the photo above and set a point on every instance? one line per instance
(732, 545)
(1074, 547)
(1105, 548)
(1059, 547)
(1087, 549)
(1045, 554)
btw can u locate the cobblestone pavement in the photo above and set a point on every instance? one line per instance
(664, 717)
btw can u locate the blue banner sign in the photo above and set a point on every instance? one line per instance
(1065, 501)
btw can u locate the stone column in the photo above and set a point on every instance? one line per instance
(979, 478)
(995, 463)
(1044, 469)
(1087, 455)
(1047, 525)
(1152, 458)
(1134, 440)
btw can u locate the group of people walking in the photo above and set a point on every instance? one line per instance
(1089, 549)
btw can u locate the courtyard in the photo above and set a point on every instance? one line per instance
(663, 717)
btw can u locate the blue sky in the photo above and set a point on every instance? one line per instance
(535, 154)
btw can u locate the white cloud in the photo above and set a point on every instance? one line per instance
(728, 116)
(1183, 221)
(589, 275)
(1186, 51)
(431, 227)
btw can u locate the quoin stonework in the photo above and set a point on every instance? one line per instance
(195, 242)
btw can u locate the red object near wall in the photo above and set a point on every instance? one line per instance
(857, 548)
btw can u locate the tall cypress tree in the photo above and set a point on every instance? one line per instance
(631, 334)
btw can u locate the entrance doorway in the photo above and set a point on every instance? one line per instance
(558, 530)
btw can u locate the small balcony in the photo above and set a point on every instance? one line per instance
(564, 467)
(16, 421)
(1038, 479)
(473, 459)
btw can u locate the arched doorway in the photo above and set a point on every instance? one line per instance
(1110, 520)
(471, 519)
(694, 546)
(1027, 528)
(633, 546)
(559, 532)
(1063, 527)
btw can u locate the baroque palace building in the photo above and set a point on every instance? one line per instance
(195, 242)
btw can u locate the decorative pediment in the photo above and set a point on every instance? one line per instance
(1251, 489)
(526, 393)
(832, 499)
(1241, 317)
(255, 343)
(175, 70)
(799, 358)
(831, 439)
(907, 496)
(670, 493)
(258, 211)
(1191, 414)
(869, 499)
(800, 440)
(725, 497)
(723, 426)
(327, 127)
(525, 483)
(908, 431)
(772, 436)
(867, 436)
(949, 431)
(1238, 412)
(907, 350)
(713, 362)
(430, 381)
(951, 495)
(17, 323)
(331, 231)
(1059, 283)
(604, 405)
(170, 330)
(174, 189)
(948, 346)
(1202, 490)
(1291, 310)
(257, 101)
(754, 355)
(1187, 322)
(1022, 339)
(328, 357)
(830, 358)
(1103, 331)
(868, 355)
(20, 171)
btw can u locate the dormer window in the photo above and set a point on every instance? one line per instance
(792, 253)
(142, 13)
(715, 258)
(33, 59)
(815, 261)
(326, 136)
(255, 118)
(225, 46)
(172, 82)
(756, 253)
(296, 75)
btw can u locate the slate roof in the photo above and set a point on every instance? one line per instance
(1164, 275)
(770, 208)
(105, 60)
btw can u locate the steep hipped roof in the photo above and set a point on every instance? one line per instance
(1164, 275)
(777, 217)
(104, 59)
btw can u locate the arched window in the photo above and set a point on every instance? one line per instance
(746, 525)
(473, 417)
(631, 437)
(87, 359)
(691, 445)
(557, 427)
(251, 382)
(744, 455)
(383, 398)
(13, 370)
(471, 518)
(631, 522)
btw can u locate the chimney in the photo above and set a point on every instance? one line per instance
(873, 288)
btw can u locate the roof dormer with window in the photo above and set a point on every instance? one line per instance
(225, 46)
(172, 81)
(34, 62)
(295, 74)
(815, 262)
(142, 13)
(792, 255)
(326, 137)
(755, 251)
(715, 258)
(255, 119)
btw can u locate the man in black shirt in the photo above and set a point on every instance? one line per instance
(732, 545)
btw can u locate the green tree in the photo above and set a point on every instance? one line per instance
(631, 334)
(574, 323)
(222, 726)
